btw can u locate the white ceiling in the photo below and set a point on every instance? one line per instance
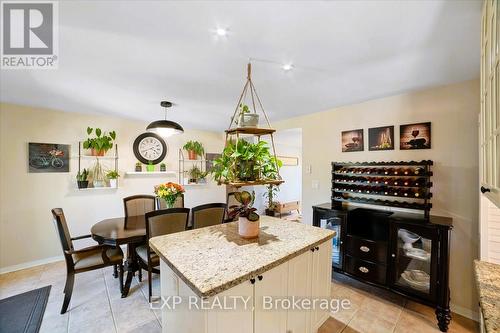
(123, 57)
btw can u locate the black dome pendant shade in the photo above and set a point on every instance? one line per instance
(165, 128)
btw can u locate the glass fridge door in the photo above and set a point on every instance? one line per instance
(334, 223)
(413, 259)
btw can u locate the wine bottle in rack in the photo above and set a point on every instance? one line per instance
(386, 181)
(418, 171)
(406, 172)
(387, 171)
(419, 193)
(420, 182)
(396, 182)
(396, 172)
(406, 182)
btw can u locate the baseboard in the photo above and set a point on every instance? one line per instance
(468, 313)
(30, 264)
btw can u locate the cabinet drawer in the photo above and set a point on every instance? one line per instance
(365, 270)
(366, 249)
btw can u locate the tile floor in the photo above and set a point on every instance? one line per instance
(96, 305)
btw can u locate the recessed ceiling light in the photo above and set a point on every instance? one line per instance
(287, 67)
(221, 32)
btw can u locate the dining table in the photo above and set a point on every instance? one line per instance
(129, 231)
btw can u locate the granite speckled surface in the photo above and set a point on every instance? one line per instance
(213, 259)
(488, 282)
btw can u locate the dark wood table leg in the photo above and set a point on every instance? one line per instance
(131, 266)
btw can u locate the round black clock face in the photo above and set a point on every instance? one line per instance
(150, 147)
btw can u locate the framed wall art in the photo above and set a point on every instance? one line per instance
(415, 136)
(381, 138)
(48, 157)
(352, 140)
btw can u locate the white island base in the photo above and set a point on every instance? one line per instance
(306, 277)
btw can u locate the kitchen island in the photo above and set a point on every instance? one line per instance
(212, 280)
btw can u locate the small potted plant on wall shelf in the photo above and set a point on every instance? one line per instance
(100, 143)
(113, 178)
(248, 219)
(194, 149)
(163, 167)
(194, 174)
(82, 179)
(150, 167)
(138, 167)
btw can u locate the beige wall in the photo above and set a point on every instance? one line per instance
(26, 230)
(453, 111)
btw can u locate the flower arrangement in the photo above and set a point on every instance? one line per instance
(169, 192)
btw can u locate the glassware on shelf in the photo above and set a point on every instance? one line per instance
(408, 238)
(417, 279)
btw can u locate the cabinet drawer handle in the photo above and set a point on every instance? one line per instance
(317, 248)
(252, 280)
(260, 277)
(365, 248)
(364, 269)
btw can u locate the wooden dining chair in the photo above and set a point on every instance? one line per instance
(208, 214)
(161, 204)
(137, 205)
(160, 222)
(85, 259)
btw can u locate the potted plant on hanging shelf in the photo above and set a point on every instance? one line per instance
(169, 192)
(82, 179)
(246, 118)
(194, 149)
(150, 167)
(194, 174)
(270, 195)
(248, 219)
(101, 143)
(113, 178)
(163, 167)
(138, 167)
(244, 161)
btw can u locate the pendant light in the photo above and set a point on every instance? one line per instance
(165, 128)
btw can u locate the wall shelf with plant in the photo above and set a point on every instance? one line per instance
(192, 171)
(99, 170)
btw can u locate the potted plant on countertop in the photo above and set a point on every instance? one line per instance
(82, 179)
(138, 167)
(194, 149)
(248, 219)
(150, 167)
(169, 192)
(245, 161)
(270, 195)
(246, 118)
(163, 167)
(101, 143)
(113, 178)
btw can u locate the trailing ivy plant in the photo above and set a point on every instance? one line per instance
(245, 161)
(101, 142)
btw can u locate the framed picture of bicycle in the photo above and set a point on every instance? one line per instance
(48, 157)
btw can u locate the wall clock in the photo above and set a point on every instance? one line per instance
(150, 147)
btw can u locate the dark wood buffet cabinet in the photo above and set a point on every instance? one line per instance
(404, 252)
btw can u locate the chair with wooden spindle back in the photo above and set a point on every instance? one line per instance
(208, 214)
(160, 222)
(85, 259)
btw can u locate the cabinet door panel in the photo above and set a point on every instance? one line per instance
(321, 282)
(299, 285)
(273, 284)
(241, 319)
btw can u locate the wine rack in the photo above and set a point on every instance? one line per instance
(372, 182)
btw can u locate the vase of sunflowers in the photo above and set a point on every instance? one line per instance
(169, 192)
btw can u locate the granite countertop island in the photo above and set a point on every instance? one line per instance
(213, 259)
(488, 283)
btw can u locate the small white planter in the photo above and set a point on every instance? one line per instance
(248, 229)
(113, 183)
(248, 120)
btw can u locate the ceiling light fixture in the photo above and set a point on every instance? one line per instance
(221, 32)
(165, 128)
(287, 67)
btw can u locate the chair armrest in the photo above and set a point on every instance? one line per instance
(87, 249)
(81, 237)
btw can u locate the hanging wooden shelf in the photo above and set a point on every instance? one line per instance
(255, 182)
(251, 130)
